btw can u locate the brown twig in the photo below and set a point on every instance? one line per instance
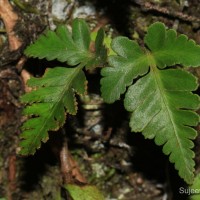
(147, 6)
(25, 77)
(12, 172)
(11, 176)
(69, 167)
(10, 17)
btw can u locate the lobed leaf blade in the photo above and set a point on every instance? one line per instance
(48, 104)
(128, 64)
(73, 48)
(45, 47)
(169, 49)
(161, 101)
(62, 45)
(158, 115)
(54, 94)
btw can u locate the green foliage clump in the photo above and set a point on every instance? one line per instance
(158, 94)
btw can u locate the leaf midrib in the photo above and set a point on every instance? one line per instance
(155, 72)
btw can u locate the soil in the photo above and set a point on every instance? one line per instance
(122, 164)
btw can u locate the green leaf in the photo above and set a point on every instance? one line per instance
(128, 64)
(169, 49)
(99, 41)
(100, 54)
(194, 189)
(73, 48)
(106, 41)
(158, 110)
(81, 34)
(161, 100)
(53, 97)
(84, 192)
(52, 45)
(54, 94)
(62, 45)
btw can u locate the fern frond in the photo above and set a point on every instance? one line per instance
(54, 93)
(53, 97)
(161, 101)
(159, 109)
(65, 46)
